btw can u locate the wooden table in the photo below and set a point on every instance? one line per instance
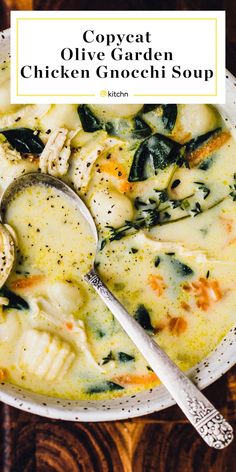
(161, 442)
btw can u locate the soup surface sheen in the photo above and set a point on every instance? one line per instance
(160, 182)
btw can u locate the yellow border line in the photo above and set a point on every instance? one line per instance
(115, 19)
(17, 58)
(216, 54)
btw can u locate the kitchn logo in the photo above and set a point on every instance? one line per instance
(113, 94)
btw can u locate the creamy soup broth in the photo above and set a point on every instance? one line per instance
(160, 183)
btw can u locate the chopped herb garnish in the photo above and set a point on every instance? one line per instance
(108, 358)
(206, 191)
(175, 184)
(232, 194)
(197, 209)
(162, 195)
(139, 203)
(157, 261)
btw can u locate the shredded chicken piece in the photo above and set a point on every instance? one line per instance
(30, 113)
(55, 157)
(84, 159)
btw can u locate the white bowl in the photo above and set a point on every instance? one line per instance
(203, 374)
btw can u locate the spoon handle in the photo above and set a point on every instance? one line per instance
(208, 422)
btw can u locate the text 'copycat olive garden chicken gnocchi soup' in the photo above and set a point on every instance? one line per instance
(160, 181)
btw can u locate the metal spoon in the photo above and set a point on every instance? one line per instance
(208, 422)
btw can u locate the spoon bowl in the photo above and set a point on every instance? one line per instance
(208, 422)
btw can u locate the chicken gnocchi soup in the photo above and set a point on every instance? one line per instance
(160, 182)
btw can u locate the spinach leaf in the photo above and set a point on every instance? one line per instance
(124, 357)
(89, 121)
(143, 318)
(109, 127)
(24, 140)
(180, 268)
(148, 107)
(15, 301)
(141, 129)
(169, 116)
(157, 149)
(106, 386)
(195, 143)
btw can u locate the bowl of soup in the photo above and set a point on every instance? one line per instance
(160, 182)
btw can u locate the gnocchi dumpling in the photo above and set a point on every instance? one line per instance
(45, 355)
(196, 119)
(111, 208)
(67, 296)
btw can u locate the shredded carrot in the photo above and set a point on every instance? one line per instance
(177, 325)
(232, 241)
(125, 186)
(157, 284)
(215, 143)
(69, 325)
(116, 169)
(227, 222)
(26, 282)
(3, 375)
(185, 306)
(207, 291)
(136, 379)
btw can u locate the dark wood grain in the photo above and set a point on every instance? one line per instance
(161, 442)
